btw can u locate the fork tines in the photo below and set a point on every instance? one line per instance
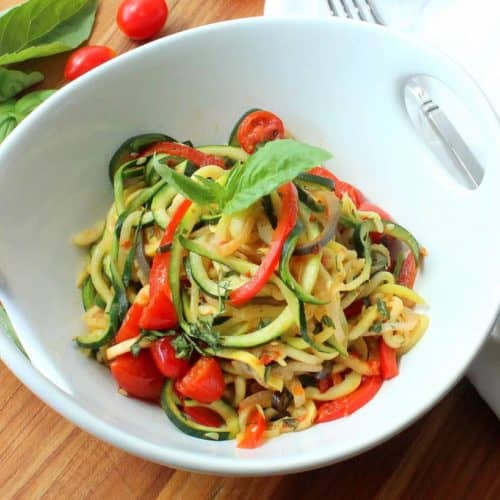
(362, 10)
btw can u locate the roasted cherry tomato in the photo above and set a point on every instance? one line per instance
(85, 59)
(259, 127)
(142, 19)
(254, 431)
(204, 382)
(138, 376)
(166, 361)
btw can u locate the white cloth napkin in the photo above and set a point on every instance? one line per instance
(468, 32)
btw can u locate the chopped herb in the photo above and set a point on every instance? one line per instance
(200, 336)
(264, 322)
(382, 309)
(183, 347)
(147, 337)
(376, 327)
(327, 321)
(366, 301)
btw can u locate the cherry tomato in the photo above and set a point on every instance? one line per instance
(85, 59)
(204, 416)
(166, 361)
(259, 127)
(254, 431)
(130, 326)
(138, 376)
(142, 19)
(204, 382)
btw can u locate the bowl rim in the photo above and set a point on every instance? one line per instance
(178, 458)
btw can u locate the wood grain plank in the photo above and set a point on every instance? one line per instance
(452, 452)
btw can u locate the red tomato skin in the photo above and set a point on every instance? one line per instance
(259, 127)
(86, 58)
(254, 432)
(141, 19)
(138, 376)
(204, 382)
(166, 361)
(204, 416)
(408, 272)
(130, 326)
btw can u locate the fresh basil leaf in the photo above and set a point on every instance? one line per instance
(29, 102)
(202, 193)
(12, 82)
(39, 28)
(382, 309)
(271, 166)
(8, 123)
(13, 112)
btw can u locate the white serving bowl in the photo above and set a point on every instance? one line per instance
(336, 84)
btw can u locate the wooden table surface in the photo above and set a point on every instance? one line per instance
(452, 452)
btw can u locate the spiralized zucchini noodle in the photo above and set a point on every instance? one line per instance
(249, 291)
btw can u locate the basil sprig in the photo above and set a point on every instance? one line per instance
(272, 165)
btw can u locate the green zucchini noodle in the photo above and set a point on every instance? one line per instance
(312, 333)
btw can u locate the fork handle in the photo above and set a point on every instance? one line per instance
(455, 145)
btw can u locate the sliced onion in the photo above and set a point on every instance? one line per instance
(330, 230)
(143, 267)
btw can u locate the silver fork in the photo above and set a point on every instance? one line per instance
(362, 10)
(454, 145)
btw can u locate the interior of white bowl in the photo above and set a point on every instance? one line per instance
(335, 84)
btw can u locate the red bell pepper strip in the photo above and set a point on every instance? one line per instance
(408, 271)
(346, 405)
(286, 222)
(341, 187)
(204, 382)
(160, 312)
(176, 149)
(204, 416)
(130, 327)
(388, 361)
(254, 431)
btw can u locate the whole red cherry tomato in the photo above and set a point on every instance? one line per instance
(138, 376)
(142, 19)
(166, 361)
(85, 59)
